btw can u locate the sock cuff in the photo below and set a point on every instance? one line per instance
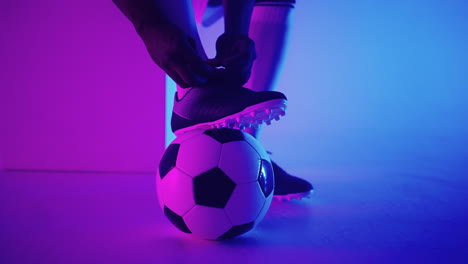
(274, 14)
(288, 3)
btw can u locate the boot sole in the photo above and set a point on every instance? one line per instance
(252, 116)
(289, 197)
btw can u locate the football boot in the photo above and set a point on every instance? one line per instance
(226, 107)
(288, 187)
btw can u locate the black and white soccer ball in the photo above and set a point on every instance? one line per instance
(215, 183)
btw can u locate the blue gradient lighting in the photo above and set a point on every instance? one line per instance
(372, 83)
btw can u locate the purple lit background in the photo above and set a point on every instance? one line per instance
(78, 89)
(377, 121)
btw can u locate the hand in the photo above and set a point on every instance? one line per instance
(175, 52)
(235, 54)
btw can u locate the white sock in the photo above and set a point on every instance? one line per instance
(269, 28)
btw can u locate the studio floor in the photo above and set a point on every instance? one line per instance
(356, 215)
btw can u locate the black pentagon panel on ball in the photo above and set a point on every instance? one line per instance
(266, 177)
(168, 160)
(213, 188)
(176, 220)
(225, 135)
(237, 230)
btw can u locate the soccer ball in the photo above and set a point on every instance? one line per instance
(215, 183)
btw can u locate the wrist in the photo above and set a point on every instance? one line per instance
(229, 38)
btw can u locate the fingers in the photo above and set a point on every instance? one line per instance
(183, 74)
(187, 77)
(191, 68)
(176, 77)
(196, 65)
(186, 68)
(175, 52)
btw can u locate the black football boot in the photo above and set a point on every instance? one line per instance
(288, 187)
(230, 107)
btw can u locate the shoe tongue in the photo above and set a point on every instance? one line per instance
(222, 78)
